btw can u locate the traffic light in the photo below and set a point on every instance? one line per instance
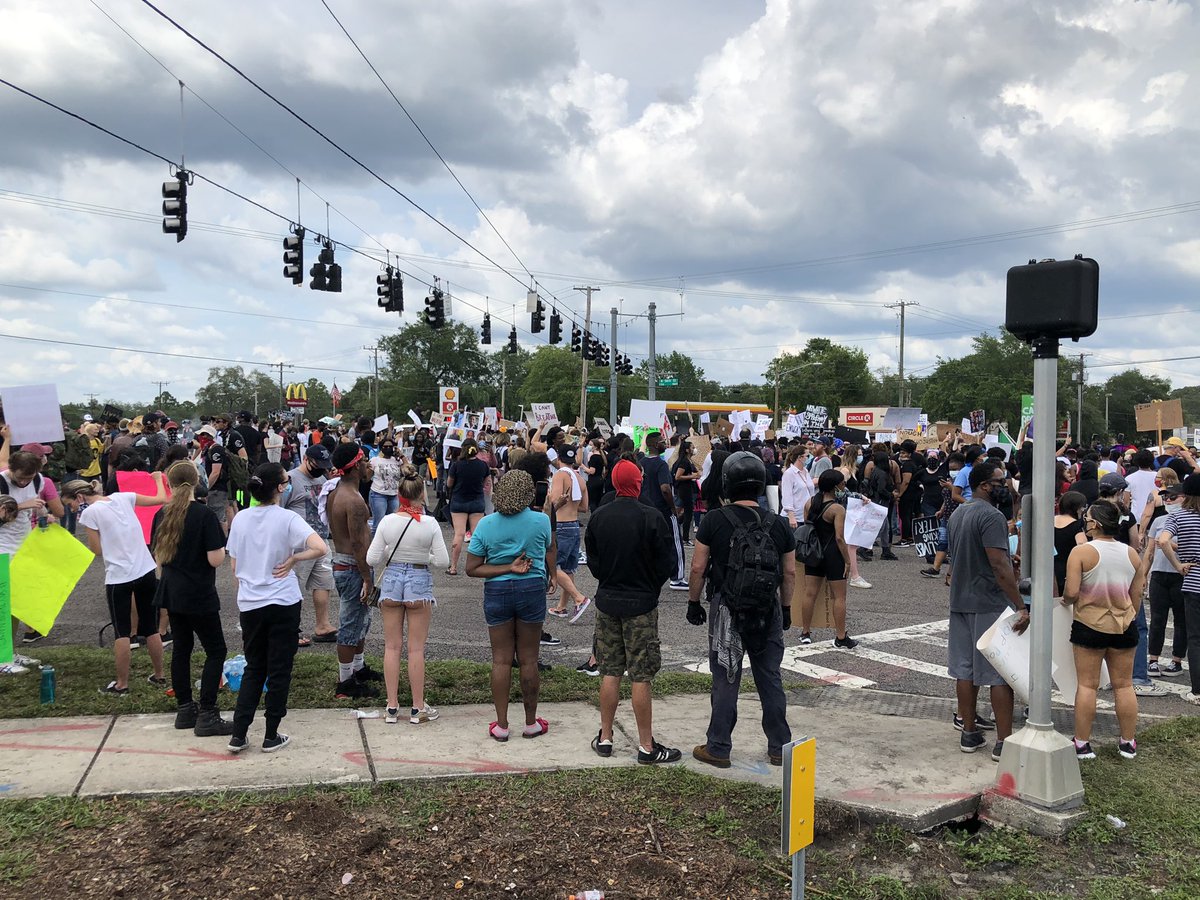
(383, 290)
(435, 308)
(602, 356)
(326, 274)
(555, 327)
(175, 206)
(319, 281)
(397, 293)
(626, 366)
(512, 340)
(537, 318)
(576, 339)
(487, 329)
(589, 346)
(293, 256)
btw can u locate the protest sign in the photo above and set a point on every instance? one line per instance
(543, 414)
(6, 644)
(883, 437)
(739, 419)
(649, 413)
(1157, 415)
(491, 417)
(506, 425)
(943, 430)
(705, 419)
(925, 535)
(603, 427)
(978, 421)
(380, 425)
(863, 521)
(416, 420)
(965, 426)
(701, 449)
(43, 573)
(901, 418)
(141, 483)
(722, 428)
(853, 435)
(815, 417)
(32, 413)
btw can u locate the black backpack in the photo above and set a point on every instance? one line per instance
(809, 549)
(5, 488)
(752, 575)
(880, 484)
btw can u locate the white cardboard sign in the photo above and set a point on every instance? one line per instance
(544, 414)
(32, 413)
(863, 521)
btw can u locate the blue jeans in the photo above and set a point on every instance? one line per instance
(354, 616)
(381, 505)
(1141, 659)
(514, 598)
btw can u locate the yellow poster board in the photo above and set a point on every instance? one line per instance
(43, 573)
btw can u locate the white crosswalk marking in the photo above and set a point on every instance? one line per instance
(900, 662)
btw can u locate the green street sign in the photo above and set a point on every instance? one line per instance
(597, 388)
(1026, 406)
(668, 382)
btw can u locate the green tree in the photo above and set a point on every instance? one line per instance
(823, 374)
(553, 376)
(420, 359)
(231, 388)
(1127, 389)
(1190, 396)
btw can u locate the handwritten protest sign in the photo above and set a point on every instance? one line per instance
(544, 414)
(43, 573)
(815, 417)
(925, 535)
(863, 521)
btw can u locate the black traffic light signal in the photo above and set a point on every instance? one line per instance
(626, 366)
(589, 346)
(175, 206)
(537, 318)
(512, 340)
(319, 280)
(383, 291)
(397, 293)
(486, 329)
(326, 274)
(555, 327)
(602, 356)
(435, 308)
(576, 339)
(293, 256)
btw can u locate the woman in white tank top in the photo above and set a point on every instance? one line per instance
(1104, 585)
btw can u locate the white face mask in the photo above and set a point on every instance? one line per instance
(1171, 507)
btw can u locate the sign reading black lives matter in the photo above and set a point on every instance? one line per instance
(925, 535)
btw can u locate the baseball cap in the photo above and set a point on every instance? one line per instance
(39, 449)
(171, 425)
(567, 454)
(1176, 442)
(1114, 481)
(1171, 491)
(320, 456)
(87, 417)
(207, 431)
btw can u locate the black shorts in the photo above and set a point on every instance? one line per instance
(1083, 636)
(120, 601)
(833, 566)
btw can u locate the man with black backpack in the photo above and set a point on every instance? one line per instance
(747, 557)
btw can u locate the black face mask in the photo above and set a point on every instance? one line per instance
(387, 451)
(1000, 495)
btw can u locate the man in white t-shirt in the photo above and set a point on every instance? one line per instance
(1141, 483)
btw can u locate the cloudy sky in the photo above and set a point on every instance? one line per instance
(777, 170)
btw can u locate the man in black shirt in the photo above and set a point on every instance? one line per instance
(909, 502)
(629, 550)
(251, 438)
(658, 493)
(743, 476)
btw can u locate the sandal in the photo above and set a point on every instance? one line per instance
(304, 641)
(496, 733)
(327, 637)
(541, 723)
(451, 571)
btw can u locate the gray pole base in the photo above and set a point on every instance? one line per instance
(1038, 766)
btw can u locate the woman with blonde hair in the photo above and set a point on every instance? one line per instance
(114, 532)
(1164, 478)
(188, 544)
(409, 544)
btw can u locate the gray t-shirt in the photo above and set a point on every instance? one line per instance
(974, 527)
(303, 500)
(823, 464)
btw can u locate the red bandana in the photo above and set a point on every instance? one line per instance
(413, 509)
(350, 465)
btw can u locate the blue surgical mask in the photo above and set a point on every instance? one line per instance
(286, 496)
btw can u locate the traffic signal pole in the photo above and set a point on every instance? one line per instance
(587, 327)
(612, 372)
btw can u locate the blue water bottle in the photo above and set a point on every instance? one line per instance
(48, 684)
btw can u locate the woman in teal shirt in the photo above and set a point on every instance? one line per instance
(509, 551)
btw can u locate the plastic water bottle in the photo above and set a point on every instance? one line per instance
(49, 684)
(587, 895)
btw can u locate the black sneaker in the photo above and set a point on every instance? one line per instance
(1083, 750)
(997, 749)
(866, 555)
(544, 667)
(167, 639)
(587, 668)
(352, 689)
(658, 754)
(549, 640)
(112, 690)
(602, 748)
(806, 637)
(237, 744)
(31, 637)
(156, 681)
(1171, 668)
(134, 642)
(1127, 749)
(982, 723)
(846, 643)
(270, 745)
(970, 741)
(931, 572)
(889, 556)
(904, 543)
(366, 673)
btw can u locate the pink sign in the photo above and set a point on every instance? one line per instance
(141, 483)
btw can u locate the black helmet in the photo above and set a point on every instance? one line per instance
(741, 472)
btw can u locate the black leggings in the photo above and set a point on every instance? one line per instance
(269, 642)
(185, 628)
(687, 502)
(121, 598)
(1166, 597)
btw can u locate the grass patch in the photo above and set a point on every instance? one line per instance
(82, 671)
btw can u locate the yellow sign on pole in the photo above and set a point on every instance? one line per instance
(799, 795)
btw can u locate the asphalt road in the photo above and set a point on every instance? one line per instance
(911, 662)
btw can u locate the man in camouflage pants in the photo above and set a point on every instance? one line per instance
(631, 553)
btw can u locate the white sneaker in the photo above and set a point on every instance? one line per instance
(425, 714)
(27, 661)
(12, 669)
(1192, 698)
(678, 585)
(1148, 690)
(860, 582)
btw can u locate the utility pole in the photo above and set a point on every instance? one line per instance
(612, 371)
(503, 381)
(1079, 401)
(1106, 396)
(157, 397)
(587, 327)
(652, 368)
(282, 401)
(92, 400)
(375, 350)
(901, 305)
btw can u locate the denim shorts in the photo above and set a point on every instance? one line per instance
(514, 598)
(567, 537)
(943, 540)
(404, 583)
(469, 507)
(354, 616)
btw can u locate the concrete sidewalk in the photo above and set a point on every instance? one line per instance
(886, 768)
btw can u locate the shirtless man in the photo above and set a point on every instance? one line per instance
(347, 513)
(568, 496)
